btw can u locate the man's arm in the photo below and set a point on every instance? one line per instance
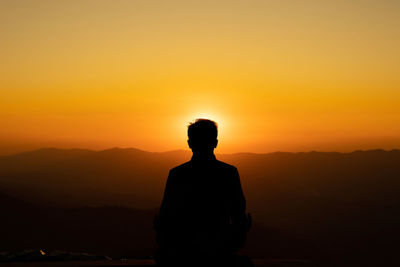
(162, 222)
(238, 212)
(240, 223)
(166, 203)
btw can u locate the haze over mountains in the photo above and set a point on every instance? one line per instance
(345, 204)
(135, 178)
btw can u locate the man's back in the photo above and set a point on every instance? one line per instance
(203, 210)
(203, 194)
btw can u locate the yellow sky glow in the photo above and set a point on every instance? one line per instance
(275, 75)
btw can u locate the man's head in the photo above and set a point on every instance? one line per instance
(203, 136)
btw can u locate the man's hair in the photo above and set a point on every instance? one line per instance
(203, 129)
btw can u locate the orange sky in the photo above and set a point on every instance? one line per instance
(276, 75)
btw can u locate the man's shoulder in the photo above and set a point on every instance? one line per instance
(226, 166)
(181, 167)
(220, 164)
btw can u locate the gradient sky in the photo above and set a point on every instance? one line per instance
(276, 75)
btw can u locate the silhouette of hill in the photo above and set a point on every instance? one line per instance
(322, 205)
(136, 178)
(76, 177)
(114, 231)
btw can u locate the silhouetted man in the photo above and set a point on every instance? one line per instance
(202, 219)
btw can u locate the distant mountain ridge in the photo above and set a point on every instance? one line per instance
(133, 149)
(129, 176)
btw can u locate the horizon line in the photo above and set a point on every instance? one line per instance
(189, 151)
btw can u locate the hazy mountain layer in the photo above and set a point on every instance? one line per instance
(344, 204)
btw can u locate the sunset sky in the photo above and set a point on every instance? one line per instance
(276, 75)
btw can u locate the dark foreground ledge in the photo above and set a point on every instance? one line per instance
(144, 263)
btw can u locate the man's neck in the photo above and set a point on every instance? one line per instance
(203, 156)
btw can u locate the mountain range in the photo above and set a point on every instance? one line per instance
(315, 204)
